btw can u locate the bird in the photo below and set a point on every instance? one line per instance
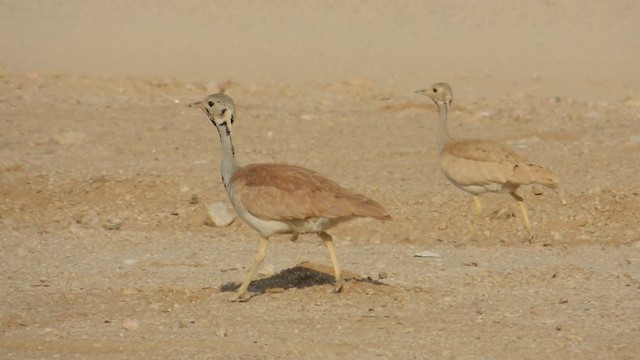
(481, 166)
(279, 198)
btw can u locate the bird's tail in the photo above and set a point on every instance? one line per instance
(546, 178)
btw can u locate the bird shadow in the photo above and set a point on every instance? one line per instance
(300, 276)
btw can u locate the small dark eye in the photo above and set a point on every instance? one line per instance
(435, 90)
(224, 111)
(210, 103)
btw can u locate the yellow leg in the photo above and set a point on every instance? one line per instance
(525, 217)
(328, 241)
(241, 294)
(476, 217)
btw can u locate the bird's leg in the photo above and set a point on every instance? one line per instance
(242, 295)
(476, 217)
(525, 217)
(328, 241)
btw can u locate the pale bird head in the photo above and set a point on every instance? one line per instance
(440, 93)
(219, 108)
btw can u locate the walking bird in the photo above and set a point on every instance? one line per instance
(481, 166)
(282, 199)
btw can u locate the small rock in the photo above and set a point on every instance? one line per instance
(130, 291)
(556, 236)
(221, 332)
(194, 199)
(427, 253)
(219, 215)
(70, 138)
(267, 270)
(113, 224)
(130, 324)
(593, 114)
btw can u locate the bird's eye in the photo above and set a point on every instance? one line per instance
(210, 103)
(435, 90)
(224, 111)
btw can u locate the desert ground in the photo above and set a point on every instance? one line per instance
(106, 246)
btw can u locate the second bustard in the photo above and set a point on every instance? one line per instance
(481, 166)
(282, 199)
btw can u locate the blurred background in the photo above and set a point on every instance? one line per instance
(581, 49)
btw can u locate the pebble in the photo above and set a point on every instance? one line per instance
(556, 236)
(113, 224)
(219, 215)
(130, 324)
(221, 332)
(427, 253)
(70, 138)
(267, 270)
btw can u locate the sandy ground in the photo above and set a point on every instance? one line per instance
(105, 177)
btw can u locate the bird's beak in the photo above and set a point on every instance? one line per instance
(197, 105)
(421, 92)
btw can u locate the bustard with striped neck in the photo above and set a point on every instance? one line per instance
(282, 199)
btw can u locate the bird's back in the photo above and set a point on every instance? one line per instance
(287, 192)
(490, 165)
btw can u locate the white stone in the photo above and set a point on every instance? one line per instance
(220, 215)
(130, 324)
(427, 253)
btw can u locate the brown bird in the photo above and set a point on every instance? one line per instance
(481, 166)
(282, 199)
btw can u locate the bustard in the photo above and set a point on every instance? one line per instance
(282, 199)
(481, 166)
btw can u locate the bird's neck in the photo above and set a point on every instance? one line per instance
(229, 165)
(443, 129)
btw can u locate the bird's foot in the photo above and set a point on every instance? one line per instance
(339, 285)
(244, 297)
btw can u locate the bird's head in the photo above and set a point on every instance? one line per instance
(219, 108)
(440, 93)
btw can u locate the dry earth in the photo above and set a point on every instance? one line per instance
(106, 251)
(104, 187)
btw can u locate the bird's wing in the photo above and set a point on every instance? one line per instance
(482, 162)
(286, 192)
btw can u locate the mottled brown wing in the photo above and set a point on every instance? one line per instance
(482, 162)
(286, 192)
